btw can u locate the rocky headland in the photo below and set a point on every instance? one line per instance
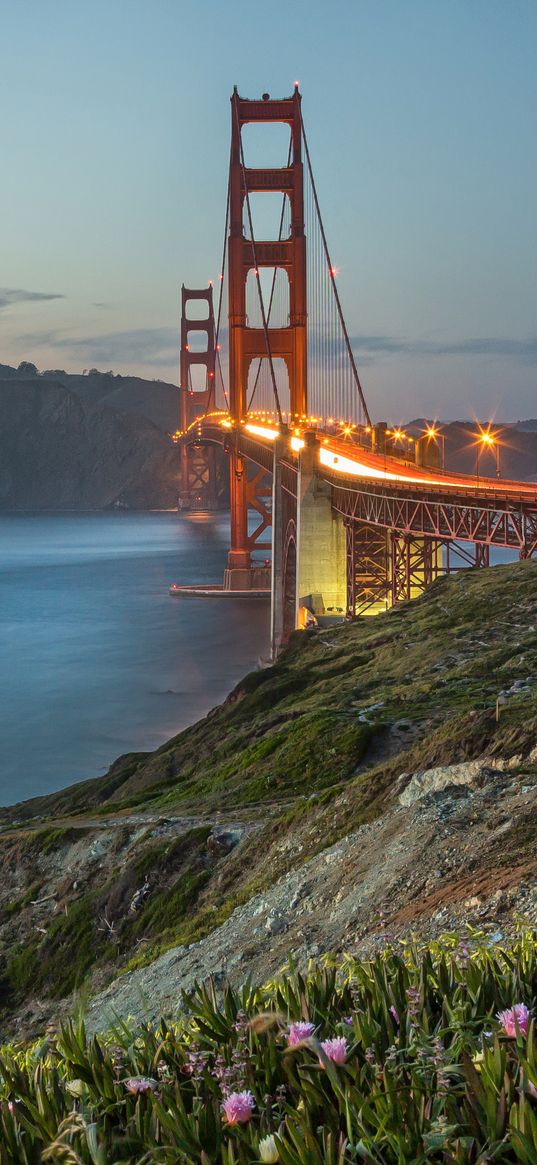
(86, 442)
(380, 777)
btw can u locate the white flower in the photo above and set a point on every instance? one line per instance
(268, 1149)
(76, 1087)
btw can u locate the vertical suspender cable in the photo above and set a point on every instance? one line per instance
(220, 296)
(332, 278)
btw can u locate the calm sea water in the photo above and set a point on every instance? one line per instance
(96, 659)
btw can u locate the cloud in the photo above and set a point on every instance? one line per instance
(524, 351)
(12, 295)
(138, 345)
(160, 346)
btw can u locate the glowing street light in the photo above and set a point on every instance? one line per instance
(433, 433)
(487, 440)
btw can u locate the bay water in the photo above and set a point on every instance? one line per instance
(96, 658)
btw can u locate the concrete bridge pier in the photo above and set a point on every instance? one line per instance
(309, 565)
(321, 559)
(278, 569)
(326, 565)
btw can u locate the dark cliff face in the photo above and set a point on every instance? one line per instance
(157, 400)
(59, 452)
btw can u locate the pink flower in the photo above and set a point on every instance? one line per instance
(299, 1031)
(238, 1107)
(138, 1084)
(336, 1049)
(395, 1014)
(513, 1017)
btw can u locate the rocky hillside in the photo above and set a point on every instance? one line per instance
(58, 451)
(382, 774)
(156, 400)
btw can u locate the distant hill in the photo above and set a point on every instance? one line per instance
(155, 399)
(527, 426)
(59, 451)
(518, 448)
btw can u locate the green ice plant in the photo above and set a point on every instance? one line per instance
(424, 1053)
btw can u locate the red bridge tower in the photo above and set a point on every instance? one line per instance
(201, 485)
(248, 343)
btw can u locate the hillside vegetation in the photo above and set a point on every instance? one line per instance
(388, 765)
(419, 1055)
(340, 706)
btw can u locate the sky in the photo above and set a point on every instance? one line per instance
(421, 115)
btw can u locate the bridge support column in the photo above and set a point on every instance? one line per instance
(368, 569)
(278, 629)
(321, 561)
(415, 563)
(237, 573)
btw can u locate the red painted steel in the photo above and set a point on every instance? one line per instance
(490, 521)
(397, 530)
(196, 404)
(244, 255)
(199, 477)
(399, 516)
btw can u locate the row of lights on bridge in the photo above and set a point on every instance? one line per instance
(486, 438)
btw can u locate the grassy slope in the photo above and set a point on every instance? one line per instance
(295, 728)
(295, 749)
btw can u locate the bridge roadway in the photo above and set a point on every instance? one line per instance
(344, 458)
(355, 471)
(355, 531)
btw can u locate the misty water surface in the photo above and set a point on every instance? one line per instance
(96, 659)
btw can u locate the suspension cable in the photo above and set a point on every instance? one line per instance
(259, 291)
(220, 299)
(332, 277)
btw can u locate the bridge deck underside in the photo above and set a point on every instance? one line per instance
(490, 521)
(480, 519)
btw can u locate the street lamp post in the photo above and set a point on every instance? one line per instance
(487, 440)
(435, 435)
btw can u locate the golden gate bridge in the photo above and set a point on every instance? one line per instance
(356, 516)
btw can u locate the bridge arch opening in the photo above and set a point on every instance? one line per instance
(266, 144)
(197, 341)
(260, 386)
(271, 216)
(289, 581)
(197, 376)
(274, 283)
(197, 309)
